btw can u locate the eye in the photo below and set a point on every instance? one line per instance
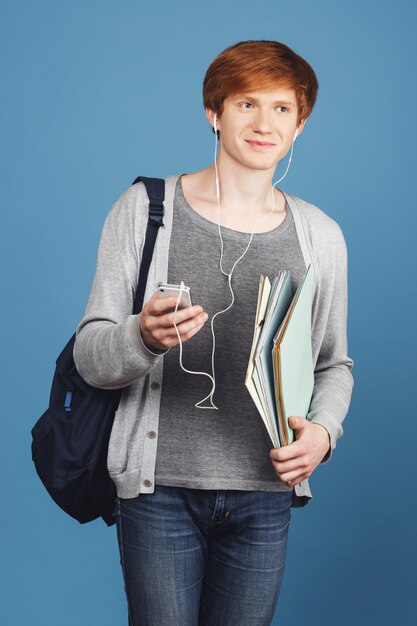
(283, 107)
(242, 104)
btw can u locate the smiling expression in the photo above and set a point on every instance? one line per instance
(257, 127)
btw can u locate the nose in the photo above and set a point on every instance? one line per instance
(262, 122)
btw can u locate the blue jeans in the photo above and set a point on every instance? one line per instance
(194, 557)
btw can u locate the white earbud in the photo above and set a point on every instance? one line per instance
(295, 134)
(215, 123)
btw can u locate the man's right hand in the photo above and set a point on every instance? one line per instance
(157, 322)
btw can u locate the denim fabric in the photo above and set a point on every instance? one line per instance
(193, 557)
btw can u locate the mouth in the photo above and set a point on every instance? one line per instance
(260, 145)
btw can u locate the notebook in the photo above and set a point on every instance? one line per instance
(280, 376)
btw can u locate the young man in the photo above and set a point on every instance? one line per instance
(203, 502)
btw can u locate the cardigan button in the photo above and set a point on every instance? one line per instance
(147, 483)
(155, 385)
(151, 434)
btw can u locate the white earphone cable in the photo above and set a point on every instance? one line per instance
(181, 364)
(212, 376)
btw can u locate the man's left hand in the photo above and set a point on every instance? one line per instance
(296, 462)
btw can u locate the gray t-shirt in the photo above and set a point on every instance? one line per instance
(226, 448)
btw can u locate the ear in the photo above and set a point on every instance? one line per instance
(300, 127)
(210, 116)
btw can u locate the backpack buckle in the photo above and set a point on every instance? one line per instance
(156, 212)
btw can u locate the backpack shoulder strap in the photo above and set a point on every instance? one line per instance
(155, 188)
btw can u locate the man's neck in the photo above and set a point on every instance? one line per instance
(243, 204)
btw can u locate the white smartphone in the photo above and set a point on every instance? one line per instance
(166, 291)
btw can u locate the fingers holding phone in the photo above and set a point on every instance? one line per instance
(157, 318)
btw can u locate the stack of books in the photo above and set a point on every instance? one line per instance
(280, 375)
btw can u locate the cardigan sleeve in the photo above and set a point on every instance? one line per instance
(333, 381)
(109, 352)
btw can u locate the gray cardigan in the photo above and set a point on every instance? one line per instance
(109, 352)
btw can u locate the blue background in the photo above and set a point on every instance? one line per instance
(98, 92)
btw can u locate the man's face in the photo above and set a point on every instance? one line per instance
(257, 127)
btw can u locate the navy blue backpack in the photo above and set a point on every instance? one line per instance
(70, 440)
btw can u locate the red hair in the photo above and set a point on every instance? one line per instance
(261, 64)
